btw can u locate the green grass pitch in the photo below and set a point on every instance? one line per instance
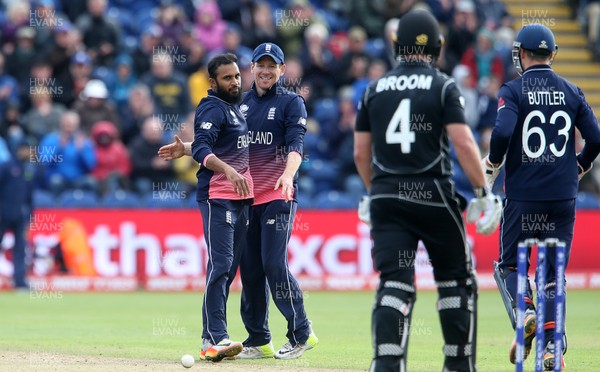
(164, 326)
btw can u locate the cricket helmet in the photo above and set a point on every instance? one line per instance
(418, 33)
(535, 38)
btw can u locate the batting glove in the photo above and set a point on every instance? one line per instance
(581, 171)
(364, 213)
(485, 210)
(490, 171)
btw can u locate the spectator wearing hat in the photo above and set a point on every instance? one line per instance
(354, 63)
(67, 155)
(20, 59)
(100, 36)
(93, 106)
(113, 165)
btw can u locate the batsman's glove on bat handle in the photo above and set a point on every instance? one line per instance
(364, 213)
(490, 171)
(485, 210)
(581, 171)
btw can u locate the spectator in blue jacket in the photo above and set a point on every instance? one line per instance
(67, 155)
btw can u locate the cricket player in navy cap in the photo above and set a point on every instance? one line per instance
(277, 122)
(534, 137)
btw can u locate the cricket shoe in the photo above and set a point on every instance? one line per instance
(257, 352)
(288, 351)
(225, 348)
(549, 358)
(529, 327)
(205, 345)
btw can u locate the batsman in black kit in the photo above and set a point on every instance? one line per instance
(405, 123)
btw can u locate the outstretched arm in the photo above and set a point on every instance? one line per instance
(175, 149)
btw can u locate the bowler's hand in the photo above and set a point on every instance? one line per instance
(173, 150)
(240, 185)
(286, 182)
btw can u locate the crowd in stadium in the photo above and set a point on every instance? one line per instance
(95, 87)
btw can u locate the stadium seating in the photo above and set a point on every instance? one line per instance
(586, 200)
(43, 199)
(334, 200)
(77, 198)
(121, 199)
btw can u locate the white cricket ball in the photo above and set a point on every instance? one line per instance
(187, 360)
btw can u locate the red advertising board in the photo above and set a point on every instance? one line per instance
(165, 250)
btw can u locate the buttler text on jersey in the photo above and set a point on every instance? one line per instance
(546, 98)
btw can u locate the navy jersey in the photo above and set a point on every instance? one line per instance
(406, 112)
(277, 123)
(220, 130)
(16, 190)
(535, 127)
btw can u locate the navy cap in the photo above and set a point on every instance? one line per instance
(268, 49)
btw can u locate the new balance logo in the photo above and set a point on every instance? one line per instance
(271, 114)
(271, 221)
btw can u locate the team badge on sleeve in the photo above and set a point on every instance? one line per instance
(501, 103)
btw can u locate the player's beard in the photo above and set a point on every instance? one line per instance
(229, 97)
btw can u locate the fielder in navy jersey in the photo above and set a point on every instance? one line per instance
(277, 121)
(224, 195)
(534, 136)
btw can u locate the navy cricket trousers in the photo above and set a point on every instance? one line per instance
(225, 226)
(18, 228)
(264, 266)
(541, 220)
